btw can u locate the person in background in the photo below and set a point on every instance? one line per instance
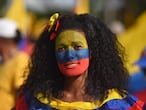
(12, 63)
(77, 64)
(137, 82)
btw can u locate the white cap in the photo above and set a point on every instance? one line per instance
(7, 28)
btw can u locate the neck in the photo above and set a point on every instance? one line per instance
(75, 88)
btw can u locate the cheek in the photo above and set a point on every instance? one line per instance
(60, 56)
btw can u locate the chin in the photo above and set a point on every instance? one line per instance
(72, 74)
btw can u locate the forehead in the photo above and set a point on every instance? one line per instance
(70, 35)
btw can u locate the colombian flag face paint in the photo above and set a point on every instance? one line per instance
(72, 52)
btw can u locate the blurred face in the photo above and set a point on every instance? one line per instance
(72, 53)
(5, 43)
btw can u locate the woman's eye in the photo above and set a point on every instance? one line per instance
(61, 49)
(77, 47)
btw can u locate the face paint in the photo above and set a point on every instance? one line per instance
(72, 52)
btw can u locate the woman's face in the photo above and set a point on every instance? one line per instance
(72, 52)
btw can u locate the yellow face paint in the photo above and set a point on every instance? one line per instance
(69, 38)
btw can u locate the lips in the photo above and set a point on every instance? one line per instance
(70, 65)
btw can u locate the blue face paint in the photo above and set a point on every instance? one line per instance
(71, 55)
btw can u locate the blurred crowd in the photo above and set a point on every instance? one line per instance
(12, 63)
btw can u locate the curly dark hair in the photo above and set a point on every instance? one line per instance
(106, 69)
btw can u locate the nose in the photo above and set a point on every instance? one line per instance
(70, 55)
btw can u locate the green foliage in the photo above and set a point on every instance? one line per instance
(2, 5)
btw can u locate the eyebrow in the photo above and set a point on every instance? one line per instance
(60, 44)
(74, 42)
(78, 42)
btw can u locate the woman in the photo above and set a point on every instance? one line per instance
(77, 65)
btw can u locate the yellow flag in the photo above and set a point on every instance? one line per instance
(17, 12)
(134, 41)
(82, 6)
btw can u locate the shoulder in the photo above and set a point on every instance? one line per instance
(28, 102)
(129, 102)
(21, 57)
